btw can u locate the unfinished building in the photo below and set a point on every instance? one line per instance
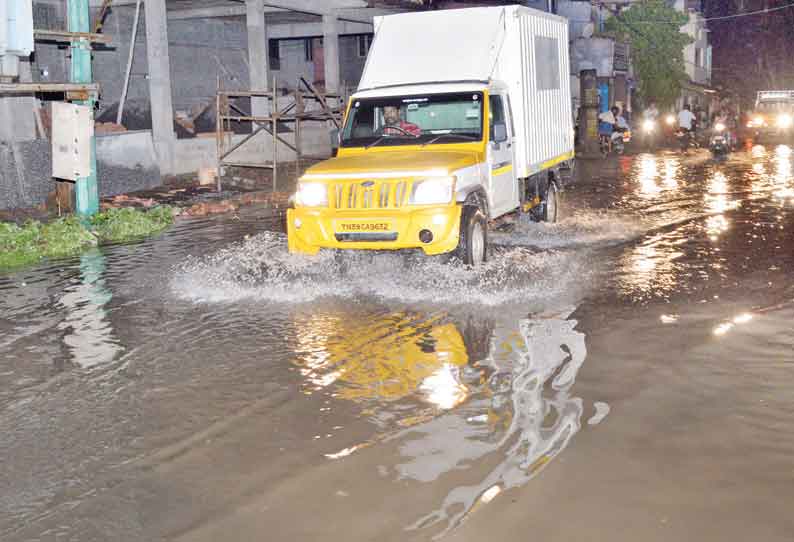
(156, 69)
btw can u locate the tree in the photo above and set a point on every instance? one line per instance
(657, 47)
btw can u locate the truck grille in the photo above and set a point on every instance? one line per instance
(370, 194)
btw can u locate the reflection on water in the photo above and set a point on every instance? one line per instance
(88, 331)
(500, 390)
(386, 358)
(657, 174)
(647, 177)
(783, 179)
(524, 416)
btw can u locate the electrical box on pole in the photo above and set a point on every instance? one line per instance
(72, 131)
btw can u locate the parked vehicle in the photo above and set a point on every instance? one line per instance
(773, 117)
(443, 135)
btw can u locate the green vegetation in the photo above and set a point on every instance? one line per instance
(27, 244)
(657, 48)
(122, 224)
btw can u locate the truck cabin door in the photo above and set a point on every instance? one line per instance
(503, 189)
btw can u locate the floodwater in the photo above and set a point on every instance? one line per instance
(626, 374)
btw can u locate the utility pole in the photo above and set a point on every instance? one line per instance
(86, 190)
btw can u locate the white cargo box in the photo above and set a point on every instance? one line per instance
(523, 48)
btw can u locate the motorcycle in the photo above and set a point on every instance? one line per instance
(619, 138)
(649, 133)
(670, 128)
(687, 139)
(720, 142)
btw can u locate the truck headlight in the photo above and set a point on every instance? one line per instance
(433, 190)
(784, 121)
(312, 195)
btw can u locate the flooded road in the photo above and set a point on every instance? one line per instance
(626, 374)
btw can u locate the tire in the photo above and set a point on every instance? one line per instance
(548, 210)
(551, 205)
(472, 247)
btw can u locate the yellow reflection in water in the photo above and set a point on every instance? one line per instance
(783, 173)
(648, 174)
(725, 327)
(650, 266)
(387, 358)
(717, 203)
(671, 173)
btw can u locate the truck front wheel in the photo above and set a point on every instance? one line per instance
(472, 247)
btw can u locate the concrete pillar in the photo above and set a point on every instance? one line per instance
(331, 52)
(160, 84)
(258, 68)
(588, 112)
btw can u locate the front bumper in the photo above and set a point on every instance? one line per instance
(310, 229)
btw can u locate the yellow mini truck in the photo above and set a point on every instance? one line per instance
(435, 146)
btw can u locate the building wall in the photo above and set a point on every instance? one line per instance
(697, 55)
(293, 62)
(202, 52)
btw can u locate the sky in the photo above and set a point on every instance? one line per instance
(752, 52)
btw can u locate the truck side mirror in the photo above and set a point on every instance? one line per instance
(499, 132)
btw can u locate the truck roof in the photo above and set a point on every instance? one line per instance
(775, 95)
(460, 45)
(407, 90)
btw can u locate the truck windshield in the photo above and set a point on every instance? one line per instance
(775, 106)
(409, 120)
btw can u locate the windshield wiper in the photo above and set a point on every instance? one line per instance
(461, 136)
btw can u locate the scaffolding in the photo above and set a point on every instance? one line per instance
(307, 105)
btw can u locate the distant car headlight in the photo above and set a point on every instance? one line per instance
(670, 119)
(719, 127)
(312, 195)
(756, 121)
(648, 126)
(433, 190)
(784, 121)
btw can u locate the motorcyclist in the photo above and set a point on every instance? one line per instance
(606, 125)
(686, 122)
(726, 119)
(651, 112)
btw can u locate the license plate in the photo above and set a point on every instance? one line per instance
(358, 226)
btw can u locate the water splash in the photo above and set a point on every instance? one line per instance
(586, 228)
(261, 269)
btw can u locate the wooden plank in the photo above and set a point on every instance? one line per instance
(27, 88)
(66, 37)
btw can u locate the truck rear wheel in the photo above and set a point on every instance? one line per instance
(551, 204)
(548, 210)
(473, 242)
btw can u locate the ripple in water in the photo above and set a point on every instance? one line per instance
(261, 269)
